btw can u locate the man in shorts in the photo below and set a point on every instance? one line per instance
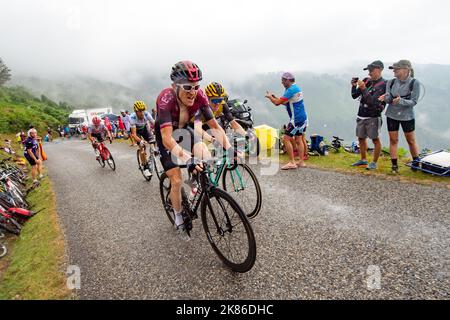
(293, 100)
(369, 121)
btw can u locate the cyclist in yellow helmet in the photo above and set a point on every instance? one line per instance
(140, 124)
(217, 99)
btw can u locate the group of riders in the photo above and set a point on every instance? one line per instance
(186, 118)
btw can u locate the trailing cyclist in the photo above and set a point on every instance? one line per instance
(96, 134)
(217, 98)
(140, 124)
(176, 141)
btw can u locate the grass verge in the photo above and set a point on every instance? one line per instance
(34, 266)
(341, 162)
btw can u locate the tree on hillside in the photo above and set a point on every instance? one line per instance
(5, 73)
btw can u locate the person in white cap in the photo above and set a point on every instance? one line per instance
(298, 119)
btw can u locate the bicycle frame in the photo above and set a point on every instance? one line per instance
(221, 168)
(101, 149)
(206, 185)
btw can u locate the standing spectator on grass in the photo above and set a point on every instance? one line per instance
(33, 155)
(369, 121)
(298, 120)
(402, 95)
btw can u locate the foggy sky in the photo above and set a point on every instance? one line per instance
(120, 40)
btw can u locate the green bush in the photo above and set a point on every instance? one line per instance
(19, 109)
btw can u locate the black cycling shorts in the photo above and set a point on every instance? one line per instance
(407, 126)
(184, 137)
(144, 134)
(99, 136)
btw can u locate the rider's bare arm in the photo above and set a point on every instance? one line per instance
(237, 127)
(275, 100)
(170, 144)
(198, 129)
(134, 135)
(219, 133)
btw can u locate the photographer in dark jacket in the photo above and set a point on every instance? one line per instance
(369, 121)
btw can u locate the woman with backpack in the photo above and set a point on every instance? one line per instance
(402, 94)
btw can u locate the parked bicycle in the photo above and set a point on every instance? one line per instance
(3, 249)
(336, 144)
(9, 224)
(12, 186)
(227, 228)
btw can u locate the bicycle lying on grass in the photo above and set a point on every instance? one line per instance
(12, 186)
(3, 249)
(227, 228)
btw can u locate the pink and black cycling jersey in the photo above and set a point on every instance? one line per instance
(169, 111)
(98, 131)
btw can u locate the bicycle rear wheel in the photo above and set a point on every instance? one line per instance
(243, 184)
(10, 225)
(164, 189)
(228, 231)
(156, 169)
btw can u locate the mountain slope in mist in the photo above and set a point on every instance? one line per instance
(330, 108)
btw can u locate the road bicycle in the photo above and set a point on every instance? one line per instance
(150, 161)
(3, 249)
(9, 224)
(240, 181)
(104, 156)
(227, 228)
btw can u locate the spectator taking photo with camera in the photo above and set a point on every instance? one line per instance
(369, 121)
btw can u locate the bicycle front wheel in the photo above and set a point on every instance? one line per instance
(111, 163)
(10, 225)
(100, 160)
(228, 231)
(3, 250)
(141, 165)
(243, 184)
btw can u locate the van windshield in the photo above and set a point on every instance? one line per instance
(75, 120)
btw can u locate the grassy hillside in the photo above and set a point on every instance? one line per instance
(332, 111)
(19, 109)
(87, 93)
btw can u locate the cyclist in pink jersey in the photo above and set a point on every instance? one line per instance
(176, 141)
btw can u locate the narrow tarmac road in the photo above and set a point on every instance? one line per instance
(320, 235)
